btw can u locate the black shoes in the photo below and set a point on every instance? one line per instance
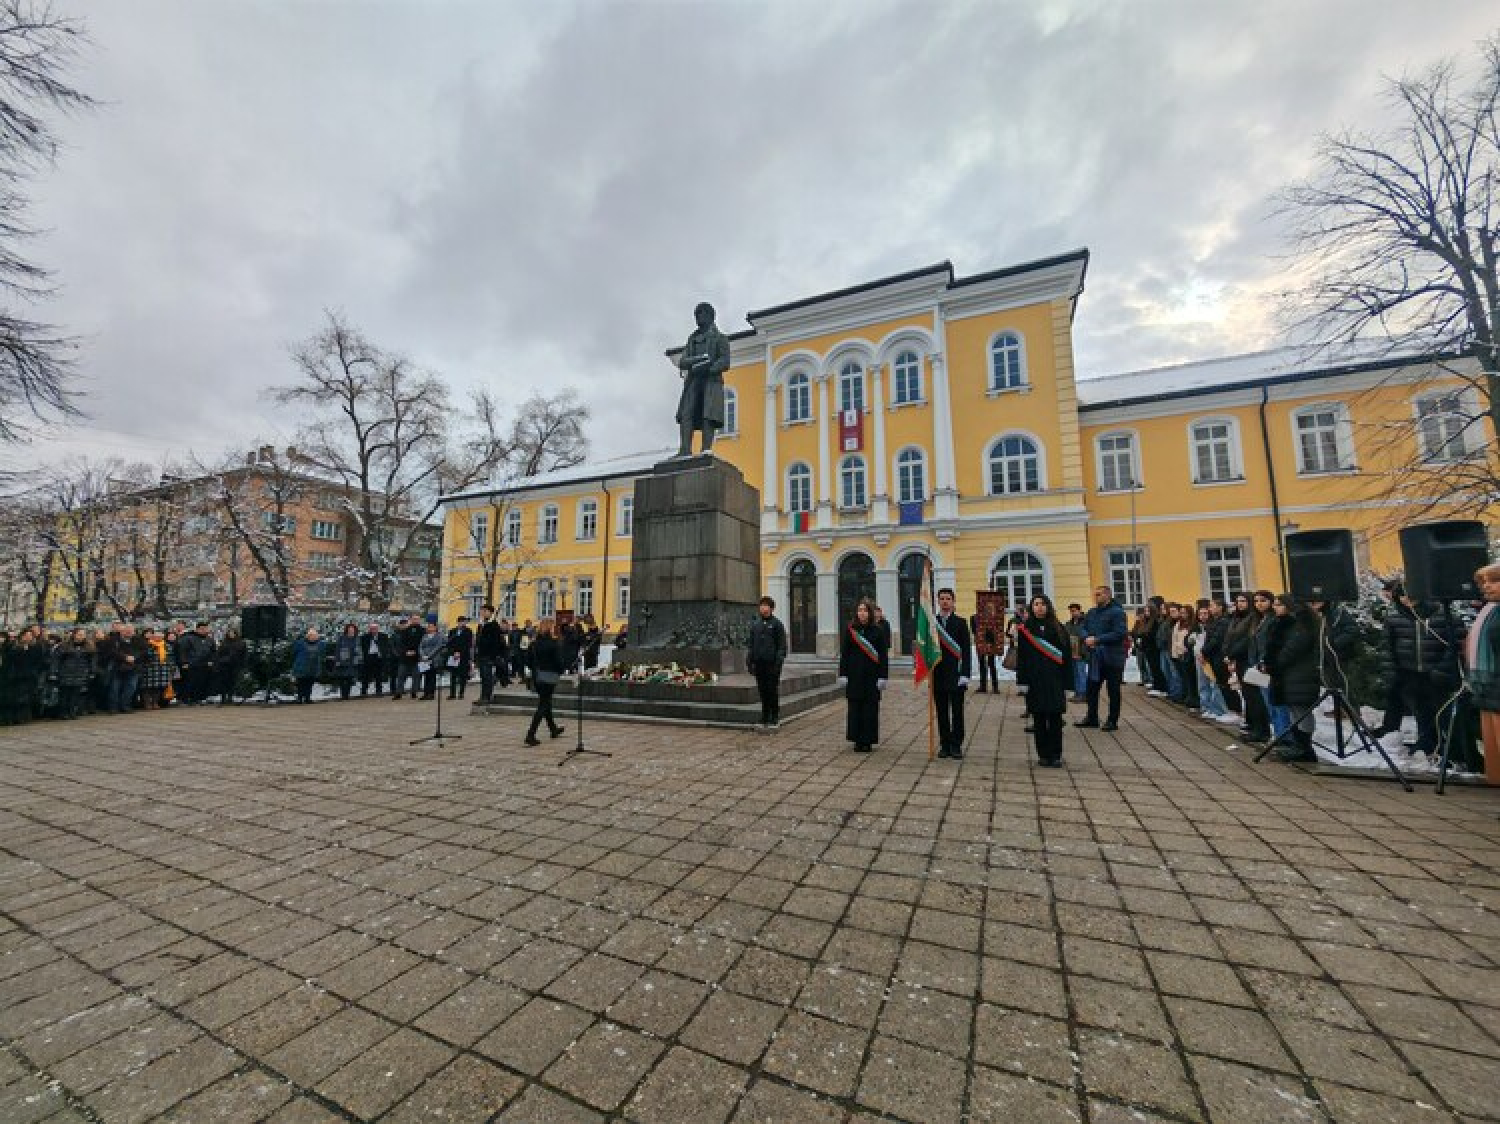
(1110, 727)
(863, 748)
(1028, 729)
(1088, 723)
(952, 754)
(557, 733)
(1050, 762)
(531, 741)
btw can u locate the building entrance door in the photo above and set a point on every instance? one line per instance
(909, 590)
(802, 613)
(856, 581)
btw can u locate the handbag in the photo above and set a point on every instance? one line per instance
(1255, 677)
(547, 678)
(1008, 661)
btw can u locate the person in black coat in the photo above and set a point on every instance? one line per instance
(1044, 654)
(458, 657)
(864, 667)
(408, 653)
(1291, 660)
(546, 658)
(1422, 643)
(765, 653)
(491, 653)
(228, 665)
(374, 660)
(950, 678)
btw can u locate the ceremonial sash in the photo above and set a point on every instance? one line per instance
(948, 643)
(1048, 649)
(864, 645)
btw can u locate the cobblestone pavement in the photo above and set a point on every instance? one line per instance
(293, 915)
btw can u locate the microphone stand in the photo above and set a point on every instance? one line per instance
(580, 749)
(437, 735)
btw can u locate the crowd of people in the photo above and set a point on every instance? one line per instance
(121, 668)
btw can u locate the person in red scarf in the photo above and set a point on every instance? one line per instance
(1044, 662)
(864, 668)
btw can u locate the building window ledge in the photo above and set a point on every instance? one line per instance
(1218, 483)
(997, 391)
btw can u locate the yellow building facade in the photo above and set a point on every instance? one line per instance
(928, 415)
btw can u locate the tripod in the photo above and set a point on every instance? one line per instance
(437, 735)
(580, 749)
(1342, 710)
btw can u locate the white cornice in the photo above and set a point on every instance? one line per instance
(1014, 291)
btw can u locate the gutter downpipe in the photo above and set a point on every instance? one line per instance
(1265, 440)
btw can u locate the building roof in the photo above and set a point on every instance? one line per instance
(629, 464)
(1231, 372)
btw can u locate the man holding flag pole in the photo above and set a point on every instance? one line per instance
(943, 655)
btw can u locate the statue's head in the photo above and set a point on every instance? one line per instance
(704, 314)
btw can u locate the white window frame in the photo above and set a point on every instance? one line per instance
(731, 414)
(1342, 433)
(1038, 576)
(798, 393)
(546, 598)
(588, 520)
(903, 468)
(585, 605)
(508, 603)
(1236, 465)
(794, 473)
(1123, 567)
(546, 525)
(1037, 454)
(327, 530)
(479, 531)
(854, 477)
(513, 522)
(1134, 453)
(1207, 566)
(851, 386)
(473, 601)
(622, 597)
(1006, 338)
(627, 517)
(915, 378)
(1466, 412)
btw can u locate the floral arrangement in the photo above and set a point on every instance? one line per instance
(670, 673)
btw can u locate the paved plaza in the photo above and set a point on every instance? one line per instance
(293, 915)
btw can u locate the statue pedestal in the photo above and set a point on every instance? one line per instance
(694, 565)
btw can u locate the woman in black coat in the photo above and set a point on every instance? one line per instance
(545, 656)
(228, 663)
(864, 667)
(1044, 658)
(1291, 660)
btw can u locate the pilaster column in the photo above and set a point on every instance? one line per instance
(828, 613)
(779, 587)
(945, 493)
(825, 470)
(770, 483)
(880, 498)
(888, 597)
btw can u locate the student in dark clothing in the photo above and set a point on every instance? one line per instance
(1044, 657)
(765, 654)
(546, 658)
(864, 667)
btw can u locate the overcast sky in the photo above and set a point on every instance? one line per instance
(535, 195)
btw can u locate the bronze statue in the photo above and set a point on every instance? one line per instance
(704, 360)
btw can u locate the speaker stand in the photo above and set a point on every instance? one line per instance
(1342, 709)
(437, 735)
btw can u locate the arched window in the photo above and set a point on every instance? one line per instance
(1019, 575)
(1007, 362)
(547, 525)
(546, 597)
(852, 482)
(906, 378)
(731, 414)
(798, 398)
(911, 476)
(851, 387)
(1015, 466)
(798, 489)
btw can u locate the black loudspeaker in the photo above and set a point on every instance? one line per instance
(1440, 559)
(263, 623)
(1320, 566)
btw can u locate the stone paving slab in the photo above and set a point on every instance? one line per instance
(294, 915)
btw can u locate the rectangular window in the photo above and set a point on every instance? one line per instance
(585, 596)
(1213, 452)
(1321, 445)
(547, 533)
(546, 598)
(1125, 574)
(1224, 570)
(508, 602)
(320, 560)
(1117, 463)
(278, 524)
(588, 520)
(479, 531)
(627, 517)
(1442, 425)
(512, 528)
(622, 597)
(473, 601)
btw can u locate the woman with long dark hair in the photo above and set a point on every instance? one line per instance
(1239, 652)
(1044, 657)
(1291, 659)
(545, 655)
(864, 667)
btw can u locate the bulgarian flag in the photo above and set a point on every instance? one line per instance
(801, 521)
(926, 651)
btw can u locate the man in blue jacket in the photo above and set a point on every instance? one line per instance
(1104, 632)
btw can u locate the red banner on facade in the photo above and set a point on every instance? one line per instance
(851, 430)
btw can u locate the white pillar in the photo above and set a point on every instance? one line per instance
(770, 495)
(779, 587)
(828, 613)
(825, 472)
(888, 597)
(880, 499)
(946, 493)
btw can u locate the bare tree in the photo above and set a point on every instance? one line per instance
(36, 361)
(386, 431)
(255, 500)
(27, 550)
(1401, 236)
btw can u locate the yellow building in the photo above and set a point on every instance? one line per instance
(927, 414)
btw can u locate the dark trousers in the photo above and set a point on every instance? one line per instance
(543, 711)
(372, 670)
(458, 681)
(1047, 732)
(194, 684)
(950, 718)
(768, 683)
(1188, 675)
(69, 700)
(429, 683)
(1109, 679)
(862, 726)
(304, 687)
(1257, 718)
(1419, 699)
(122, 686)
(406, 673)
(989, 679)
(491, 671)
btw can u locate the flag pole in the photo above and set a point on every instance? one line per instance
(931, 720)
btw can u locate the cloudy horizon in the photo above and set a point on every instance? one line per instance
(525, 196)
